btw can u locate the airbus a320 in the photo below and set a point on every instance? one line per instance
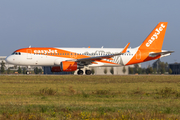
(72, 59)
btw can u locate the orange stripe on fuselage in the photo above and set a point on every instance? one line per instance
(54, 52)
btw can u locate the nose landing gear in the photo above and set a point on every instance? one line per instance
(28, 68)
(27, 72)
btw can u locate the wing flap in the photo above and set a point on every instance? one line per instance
(91, 59)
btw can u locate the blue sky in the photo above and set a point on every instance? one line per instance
(82, 23)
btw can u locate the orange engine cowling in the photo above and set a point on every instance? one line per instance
(68, 66)
(55, 69)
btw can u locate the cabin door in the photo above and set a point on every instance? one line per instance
(29, 54)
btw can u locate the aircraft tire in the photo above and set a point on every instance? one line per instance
(88, 72)
(80, 72)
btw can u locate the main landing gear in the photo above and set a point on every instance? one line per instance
(80, 72)
(88, 72)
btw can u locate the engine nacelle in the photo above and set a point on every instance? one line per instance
(68, 66)
(55, 69)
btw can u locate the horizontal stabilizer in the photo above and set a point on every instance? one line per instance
(163, 53)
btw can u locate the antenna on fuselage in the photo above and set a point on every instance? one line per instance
(30, 46)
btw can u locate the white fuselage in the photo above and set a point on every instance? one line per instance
(41, 59)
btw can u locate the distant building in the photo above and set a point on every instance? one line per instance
(156, 64)
(175, 68)
(117, 70)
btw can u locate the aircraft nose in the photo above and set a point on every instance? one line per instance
(9, 59)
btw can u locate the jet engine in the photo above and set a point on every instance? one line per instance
(68, 66)
(65, 66)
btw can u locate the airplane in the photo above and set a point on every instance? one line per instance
(72, 59)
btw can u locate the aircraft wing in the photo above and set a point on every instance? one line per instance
(163, 53)
(92, 59)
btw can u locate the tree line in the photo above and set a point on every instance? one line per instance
(160, 68)
(20, 70)
(157, 68)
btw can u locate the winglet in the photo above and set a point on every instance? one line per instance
(125, 48)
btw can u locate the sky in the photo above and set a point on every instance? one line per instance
(83, 23)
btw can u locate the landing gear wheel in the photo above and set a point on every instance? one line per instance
(80, 72)
(27, 72)
(88, 72)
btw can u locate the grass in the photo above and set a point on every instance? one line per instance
(89, 97)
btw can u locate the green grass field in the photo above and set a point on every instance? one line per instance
(89, 97)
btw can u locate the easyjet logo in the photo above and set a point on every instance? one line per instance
(45, 51)
(155, 35)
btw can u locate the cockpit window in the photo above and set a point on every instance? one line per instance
(16, 53)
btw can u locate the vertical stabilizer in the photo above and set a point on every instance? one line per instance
(155, 39)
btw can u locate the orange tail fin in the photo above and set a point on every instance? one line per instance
(155, 39)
